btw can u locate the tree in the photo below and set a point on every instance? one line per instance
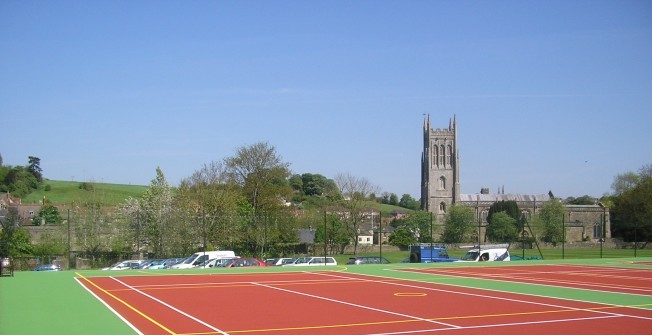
(402, 237)
(459, 224)
(34, 168)
(632, 213)
(550, 220)
(408, 202)
(510, 207)
(156, 209)
(502, 228)
(14, 240)
(624, 182)
(20, 181)
(583, 200)
(47, 214)
(416, 228)
(354, 192)
(335, 234)
(262, 176)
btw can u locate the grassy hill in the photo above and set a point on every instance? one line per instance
(65, 192)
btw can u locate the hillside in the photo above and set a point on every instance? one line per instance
(65, 192)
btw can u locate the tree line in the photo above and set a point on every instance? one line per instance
(249, 203)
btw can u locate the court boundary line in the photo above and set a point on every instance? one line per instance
(219, 331)
(357, 305)
(500, 298)
(418, 271)
(586, 286)
(122, 302)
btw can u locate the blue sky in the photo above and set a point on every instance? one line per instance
(548, 95)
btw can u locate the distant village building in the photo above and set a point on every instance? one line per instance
(440, 189)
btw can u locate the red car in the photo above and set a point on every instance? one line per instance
(242, 262)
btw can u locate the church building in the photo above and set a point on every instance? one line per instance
(440, 189)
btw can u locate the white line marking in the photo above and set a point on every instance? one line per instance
(492, 325)
(490, 297)
(172, 307)
(358, 306)
(110, 308)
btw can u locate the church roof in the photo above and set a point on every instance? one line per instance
(505, 197)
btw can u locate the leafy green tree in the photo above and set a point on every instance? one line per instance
(20, 181)
(47, 214)
(509, 207)
(314, 184)
(14, 240)
(156, 209)
(632, 213)
(624, 182)
(408, 202)
(550, 222)
(336, 234)
(459, 225)
(402, 237)
(34, 168)
(262, 175)
(583, 200)
(502, 228)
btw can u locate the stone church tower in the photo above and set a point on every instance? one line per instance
(440, 173)
(440, 189)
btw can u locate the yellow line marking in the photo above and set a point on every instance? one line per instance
(410, 294)
(404, 321)
(127, 305)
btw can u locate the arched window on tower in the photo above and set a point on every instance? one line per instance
(436, 155)
(442, 183)
(442, 208)
(449, 155)
(442, 154)
(484, 214)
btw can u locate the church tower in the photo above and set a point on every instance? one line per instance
(440, 174)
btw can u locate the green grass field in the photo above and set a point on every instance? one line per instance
(65, 192)
(54, 303)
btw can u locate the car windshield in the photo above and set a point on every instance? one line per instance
(189, 260)
(470, 256)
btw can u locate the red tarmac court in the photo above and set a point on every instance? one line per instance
(605, 279)
(300, 303)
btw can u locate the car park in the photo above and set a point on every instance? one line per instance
(313, 261)
(367, 260)
(48, 267)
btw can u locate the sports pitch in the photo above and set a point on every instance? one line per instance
(599, 296)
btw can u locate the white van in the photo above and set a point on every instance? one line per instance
(313, 261)
(486, 254)
(200, 257)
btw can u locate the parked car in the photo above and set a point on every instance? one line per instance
(243, 262)
(216, 262)
(151, 264)
(367, 260)
(313, 261)
(169, 262)
(278, 261)
(200, 257)
(124, 265)
(48, 267)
